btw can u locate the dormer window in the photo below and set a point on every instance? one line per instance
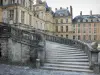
(99, 19)
(94, 20)
(79, 20)
(84, 20)
(89, 20)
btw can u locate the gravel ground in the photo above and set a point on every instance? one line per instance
(18, 70)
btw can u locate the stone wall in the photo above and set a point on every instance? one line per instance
(18, 52)
(4, 47)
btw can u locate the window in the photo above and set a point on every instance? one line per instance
(66, 20)
(66, 28)
(84, 28)
(73, 37)
(11, 16)
(61, 28)
(56, 28)
(23, 2)
(73, 28)
(30, 20)
(22, 16)
(79, 25)
(78, 30)
(95, 37)
(89, 37)
(79, 37)
(61, 35)
(67, 36)
(56, 21)
(84, 20)
(11, 1)
(89, 28)
(83, 37)
(79, 20)
(94, 25)
(61, 20)
(95, 30)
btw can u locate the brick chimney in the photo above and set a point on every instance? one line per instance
(60, 7)
(80, 13)
(55, 9)
(71, 10)
(90, 12)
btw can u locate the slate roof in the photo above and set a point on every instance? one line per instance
(93, 18)
(62, 12)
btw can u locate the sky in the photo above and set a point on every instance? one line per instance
(78, 5)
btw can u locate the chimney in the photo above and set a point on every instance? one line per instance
(60, 7)
(90, 12)
(80, 13)
(71, 10)
(55, 9)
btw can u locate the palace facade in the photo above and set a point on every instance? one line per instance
(38, 15)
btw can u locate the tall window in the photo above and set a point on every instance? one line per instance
(56, 21)
(11, 1)
(11, 14)
(84, 26)
(78, 25)
(30, 20)
(73, 28)
(23, 2)
(78, 30)
(79, 37)
(95, 28)
(89, 28)
(66, 28)
(95, 37)
(89, 37)
(67, 36)
(56, 28)
(61, 35)
(83, 37)
(22, 16)
(61, 20)
(73, 37)
(66, 20)
(61, 28)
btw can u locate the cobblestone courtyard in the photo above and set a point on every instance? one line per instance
(17, 70)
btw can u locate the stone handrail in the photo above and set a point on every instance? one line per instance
(93, 54)
(24, 35)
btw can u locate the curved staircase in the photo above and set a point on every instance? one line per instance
(65, 58)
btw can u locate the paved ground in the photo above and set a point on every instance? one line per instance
(17, 70)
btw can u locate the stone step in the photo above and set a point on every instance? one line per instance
(64, 50)
(67, 69)
(70, 63)
(60, 55)
(67, 60)
(77, 57)
(66, 66)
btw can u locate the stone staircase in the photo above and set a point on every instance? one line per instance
(65, 58)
